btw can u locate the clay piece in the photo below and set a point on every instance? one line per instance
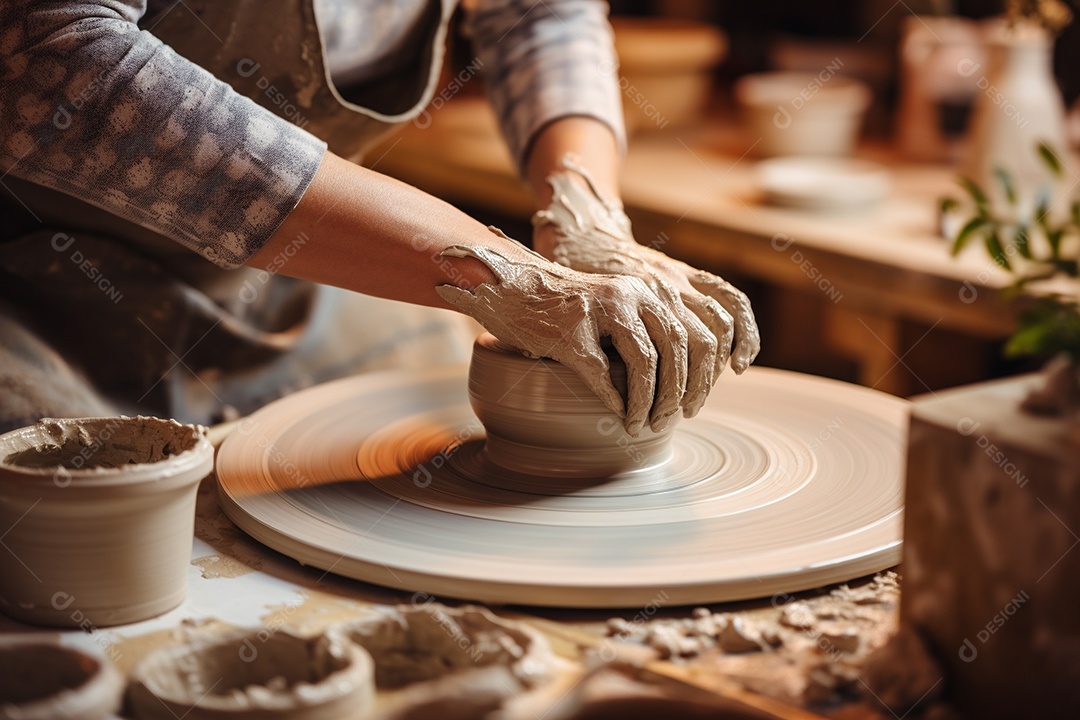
(805, 651)
(540, 419)
(44, 681)
(131, 482)
(783, 482)
(990, 564)
(253, 674)
(450, 662)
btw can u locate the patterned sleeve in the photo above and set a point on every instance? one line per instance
(94, 107)
(546, 60)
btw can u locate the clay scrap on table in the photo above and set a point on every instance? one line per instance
(255, 674)
(451, 662)
(799, 650)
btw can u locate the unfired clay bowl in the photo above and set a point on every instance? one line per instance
(255, 674)
(451, 662)
(98, 517)
(542, 420)
(42, 681)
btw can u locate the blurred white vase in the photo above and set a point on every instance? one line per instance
(1018, 106)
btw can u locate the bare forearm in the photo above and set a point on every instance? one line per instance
(590, 140)
(363, 231)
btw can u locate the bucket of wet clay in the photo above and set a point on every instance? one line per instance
(97, 517)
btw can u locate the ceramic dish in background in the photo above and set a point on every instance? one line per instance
(665, 69)
(822, 183)
(787, 113)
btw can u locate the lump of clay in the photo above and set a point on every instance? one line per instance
(903, 672)
(86, 443)
(451, 662)
(253, 674)
(39, 681)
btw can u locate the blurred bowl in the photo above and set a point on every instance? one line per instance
(665, 69)
(802, 113)
(822, 183)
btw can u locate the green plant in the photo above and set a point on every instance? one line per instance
(1033, 248)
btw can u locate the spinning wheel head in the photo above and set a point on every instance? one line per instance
(541, 419)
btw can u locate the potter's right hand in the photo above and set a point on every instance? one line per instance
(546, 310)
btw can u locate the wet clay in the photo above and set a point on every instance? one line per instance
(594, 235)
(100, 443)
(40, 681)
(256, 674)
(546, 310)
(99, 515)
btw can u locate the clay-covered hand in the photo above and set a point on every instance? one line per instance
(583, 231)
(546, 310)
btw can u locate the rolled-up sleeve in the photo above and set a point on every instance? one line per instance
(544, 61)
(94, 107)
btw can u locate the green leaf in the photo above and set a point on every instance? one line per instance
(1076, 213)
(1021, 241)
(996, 250)
(948, 204)
(1005, 179)
(1050, 158)
(1051, 326)
(975, 192)
(967, 232)
(1042, 211)
(1028, 340)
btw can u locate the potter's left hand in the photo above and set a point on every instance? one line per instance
(584, 232)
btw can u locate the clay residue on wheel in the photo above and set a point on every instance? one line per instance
(101, 443)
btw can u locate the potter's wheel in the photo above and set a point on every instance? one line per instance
(784, 482)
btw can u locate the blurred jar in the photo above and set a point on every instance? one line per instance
(937, 90)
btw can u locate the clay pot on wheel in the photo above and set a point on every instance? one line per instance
(541, 419)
